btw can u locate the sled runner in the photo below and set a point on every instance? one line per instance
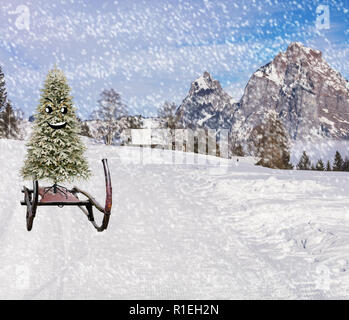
(60, 196)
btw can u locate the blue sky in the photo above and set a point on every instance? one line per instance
(150, 51)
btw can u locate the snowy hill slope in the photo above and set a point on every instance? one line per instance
(180, 231)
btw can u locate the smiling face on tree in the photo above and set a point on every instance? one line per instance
(56, 108)
(56, 112)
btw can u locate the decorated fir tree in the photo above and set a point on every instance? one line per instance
(55, 151)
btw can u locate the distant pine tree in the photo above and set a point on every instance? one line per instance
(234, 141)
(128, 123)
(9, 123)
(169, 120)
(269, 142)
(286, 161)
(9, 120)
(3, 93)
(328, 166)
(320, 165)
(304, 162)
(338, 162)
(84, 128)
(238, 151)
(345, 166)
(134, 122)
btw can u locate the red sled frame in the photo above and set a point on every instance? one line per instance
(31, 200)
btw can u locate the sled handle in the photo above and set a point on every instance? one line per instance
(108, 188)
(88, 211)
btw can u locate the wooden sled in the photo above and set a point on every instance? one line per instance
(61, 196)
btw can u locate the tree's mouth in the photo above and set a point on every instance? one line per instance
(58, 125)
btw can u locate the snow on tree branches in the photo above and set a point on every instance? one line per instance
(55, 151)
(167, 114)
(9, 123)
(109, 115)
(3, 93)
(320, 165)
(304, 162)
(113, 120)
(9, 118)
(269, 142)
(338, 162)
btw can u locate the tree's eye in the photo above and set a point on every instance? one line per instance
(48, 109)
(64, 110)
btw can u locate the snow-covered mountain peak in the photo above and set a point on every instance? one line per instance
(296, 54)
(298, 50)
(205, 100)
(205, 83)
(308, 94)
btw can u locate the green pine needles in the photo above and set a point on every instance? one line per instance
(55, 151)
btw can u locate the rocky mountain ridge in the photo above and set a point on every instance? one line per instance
(310, 97)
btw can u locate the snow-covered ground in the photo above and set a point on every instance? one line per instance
(222, 230)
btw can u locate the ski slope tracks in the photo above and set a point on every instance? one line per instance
(195, 229)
